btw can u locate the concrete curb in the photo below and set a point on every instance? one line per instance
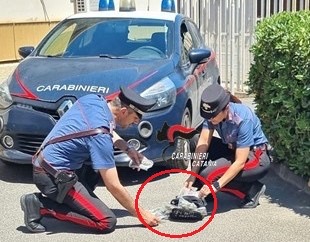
(289, 176)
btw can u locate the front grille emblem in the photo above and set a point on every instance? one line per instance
(64, 107)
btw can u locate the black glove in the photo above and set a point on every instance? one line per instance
(184, 215)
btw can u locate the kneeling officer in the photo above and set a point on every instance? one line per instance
(85, 133)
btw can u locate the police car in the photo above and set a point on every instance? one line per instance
(159, 55)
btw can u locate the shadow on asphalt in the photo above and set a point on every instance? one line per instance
(54, 226)
(286, 195)
(129, 177)
(15, 173)
(278, 191)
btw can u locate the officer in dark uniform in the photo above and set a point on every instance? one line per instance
(85, 133)
(239, 158)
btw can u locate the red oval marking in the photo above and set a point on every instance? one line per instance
(175, 235)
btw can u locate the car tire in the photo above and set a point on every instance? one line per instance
(182, 145)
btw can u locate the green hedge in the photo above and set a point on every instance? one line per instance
(279, 78)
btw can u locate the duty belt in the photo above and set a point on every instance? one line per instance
(64, 179)
(47, 167)
(76, 135)
(260, 146)
(50, 169)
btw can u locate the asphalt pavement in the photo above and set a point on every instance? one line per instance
(283, 213)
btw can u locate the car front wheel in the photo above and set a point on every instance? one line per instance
(182, 148)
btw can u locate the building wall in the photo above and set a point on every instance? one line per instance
(13, 11)
(25, 22)
(15, 35)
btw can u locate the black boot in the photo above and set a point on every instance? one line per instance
(30, 204)
(251, 200)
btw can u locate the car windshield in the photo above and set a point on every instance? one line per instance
(109, 38)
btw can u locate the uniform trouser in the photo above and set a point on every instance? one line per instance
(220, 157)
(80, 206)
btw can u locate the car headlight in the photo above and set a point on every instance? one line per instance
(5, 97)
(163, 91)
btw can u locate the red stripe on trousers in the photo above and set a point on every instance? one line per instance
(254, 162)
(248, 166)
(100, 225)
(66, 217)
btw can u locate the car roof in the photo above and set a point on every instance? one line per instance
(127, 14)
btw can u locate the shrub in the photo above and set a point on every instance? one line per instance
(279, 78)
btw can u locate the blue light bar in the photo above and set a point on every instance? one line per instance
(111, 5)
(105, 5)
(167, 6)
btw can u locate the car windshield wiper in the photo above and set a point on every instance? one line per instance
(53, 56)
(110, 56)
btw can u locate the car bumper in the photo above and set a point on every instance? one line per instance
(19, 123)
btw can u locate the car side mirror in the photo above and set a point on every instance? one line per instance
(25, 51)
(199, 55)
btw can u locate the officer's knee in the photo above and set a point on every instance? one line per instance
(108, 225)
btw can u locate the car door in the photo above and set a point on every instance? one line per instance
(195, 76)
(201, 71)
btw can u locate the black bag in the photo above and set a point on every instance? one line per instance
(65, 181)
(185, 215)
(180, 214)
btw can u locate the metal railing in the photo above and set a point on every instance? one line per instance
(228, 26)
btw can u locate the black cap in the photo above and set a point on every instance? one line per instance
(135, 101)
(213, 100)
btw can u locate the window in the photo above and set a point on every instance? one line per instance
(187, 43)
(110, 37)
(57, 46)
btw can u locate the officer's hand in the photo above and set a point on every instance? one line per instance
(150, 218)
(189, 182)
(135, 156)
(205, 191)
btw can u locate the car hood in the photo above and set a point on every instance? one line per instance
(49, 79)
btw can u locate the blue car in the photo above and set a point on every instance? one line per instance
(159, 55)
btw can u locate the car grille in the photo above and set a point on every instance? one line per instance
(29, 144)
